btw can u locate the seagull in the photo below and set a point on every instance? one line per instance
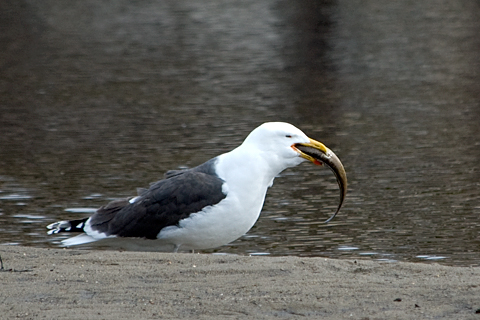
(209, 205)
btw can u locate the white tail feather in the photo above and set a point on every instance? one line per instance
(78, 240)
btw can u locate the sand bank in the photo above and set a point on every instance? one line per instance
(80, 284)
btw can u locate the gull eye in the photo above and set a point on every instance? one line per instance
(288, 136)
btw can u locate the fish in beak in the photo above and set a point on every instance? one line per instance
(318, 153)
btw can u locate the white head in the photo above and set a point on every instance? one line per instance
(276, 140)
(272, 148)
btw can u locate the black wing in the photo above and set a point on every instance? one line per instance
(164, 204)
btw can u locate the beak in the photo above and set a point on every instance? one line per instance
(318, 153)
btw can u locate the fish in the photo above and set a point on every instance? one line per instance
(330, 159)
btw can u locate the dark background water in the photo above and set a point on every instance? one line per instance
(100, 97)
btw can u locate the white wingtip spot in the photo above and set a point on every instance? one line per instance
(56, 227)
(132, 200)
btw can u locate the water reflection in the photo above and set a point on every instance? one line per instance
(99, 99)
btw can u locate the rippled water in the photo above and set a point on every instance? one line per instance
(100, 98)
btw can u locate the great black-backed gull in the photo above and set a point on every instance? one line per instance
(210, 205)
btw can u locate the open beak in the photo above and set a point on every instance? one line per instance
(318, 153)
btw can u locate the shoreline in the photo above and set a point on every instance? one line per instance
(83, 284)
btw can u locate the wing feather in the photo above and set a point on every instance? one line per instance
(164, 204)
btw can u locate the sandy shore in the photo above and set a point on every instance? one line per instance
(80, 284)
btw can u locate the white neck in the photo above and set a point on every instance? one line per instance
(246, 169)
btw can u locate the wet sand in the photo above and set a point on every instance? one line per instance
(82, 284)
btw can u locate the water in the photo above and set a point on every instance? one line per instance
(100, 98)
